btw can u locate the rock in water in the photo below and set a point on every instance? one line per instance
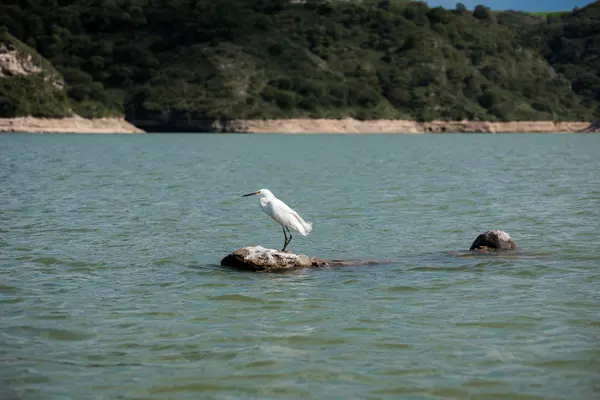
(261, 259)
(494, 240)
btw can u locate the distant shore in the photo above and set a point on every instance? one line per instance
(78, 124)
(403, 126)
(75, 124)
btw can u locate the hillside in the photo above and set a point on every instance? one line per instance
(33, 96)
(571, 44)
(188, 60)
(29, 85)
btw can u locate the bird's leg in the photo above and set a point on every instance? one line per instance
(290, 238)
(285, 241)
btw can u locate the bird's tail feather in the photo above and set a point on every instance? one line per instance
(306, 226)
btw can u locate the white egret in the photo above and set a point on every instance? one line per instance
(283, 214)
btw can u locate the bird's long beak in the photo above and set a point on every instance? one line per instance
(250, 194)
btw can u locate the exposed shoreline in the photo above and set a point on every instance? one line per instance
(75, 124)
(78, 124)
(352, 126)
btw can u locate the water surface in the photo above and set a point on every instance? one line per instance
(110, 284)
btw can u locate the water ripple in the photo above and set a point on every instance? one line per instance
(111, 285)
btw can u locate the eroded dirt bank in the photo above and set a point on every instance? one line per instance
(397, 126)
(73, 124)
(78, 124)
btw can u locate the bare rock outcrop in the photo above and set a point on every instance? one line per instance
(494, 240)
(260, 259)
(13, 63)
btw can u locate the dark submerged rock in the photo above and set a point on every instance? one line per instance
(495, 240)
(260, 259)
(593, 128)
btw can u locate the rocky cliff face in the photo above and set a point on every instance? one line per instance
(15, 62)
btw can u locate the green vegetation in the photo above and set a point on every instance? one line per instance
(31, 95)
(551, 14)
(571, 44)
(207, 59)
(39, 94)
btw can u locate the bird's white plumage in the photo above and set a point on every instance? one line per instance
(282, 214)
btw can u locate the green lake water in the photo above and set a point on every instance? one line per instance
(110, 283)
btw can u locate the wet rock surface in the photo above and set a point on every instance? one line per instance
(260, 259)
(494, 240)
